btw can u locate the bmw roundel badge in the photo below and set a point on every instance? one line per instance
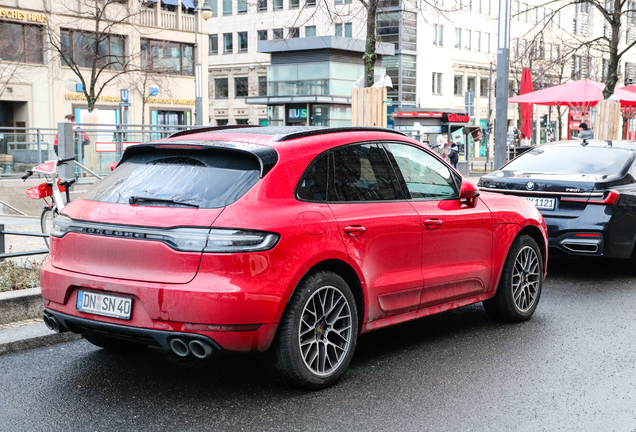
(530, 185)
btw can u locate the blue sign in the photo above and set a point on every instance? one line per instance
(154, 91)
(124, 95)
(79, 87)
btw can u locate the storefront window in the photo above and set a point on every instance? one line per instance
(240, 87)
(21, 43)
(276, 115)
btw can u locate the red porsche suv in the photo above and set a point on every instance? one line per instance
(288, 241)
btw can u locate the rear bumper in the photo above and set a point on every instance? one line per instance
(237, 307)
(140, 335)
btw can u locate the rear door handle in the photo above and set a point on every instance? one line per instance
(354, 230)
(432, 223)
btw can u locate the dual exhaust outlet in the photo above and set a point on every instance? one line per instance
(197, 347)
(180, 346)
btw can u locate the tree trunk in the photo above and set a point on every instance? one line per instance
(614, 59)
(369, 50)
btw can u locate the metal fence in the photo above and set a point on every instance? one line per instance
(95, 146)
(4, 255)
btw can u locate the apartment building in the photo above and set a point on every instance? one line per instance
(153, 41)
(438, 57)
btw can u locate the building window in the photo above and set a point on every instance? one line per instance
(310, 3)
(242, 121)
(278, 5)
(438, 35)
(240, 87)
(220, 88)
(79, 48)
(261, 5)
(457, 85)
(483, 87)
(262, 35)
(278, 34)
(242, 7)
(469, 40)
(169, 57)
(458, 38)
(478, 41)
(294, 4)
(437, 83)
(470, 85)
(338, 2)
(23, 43)
(294, 32)
(242, 40)
(310, 31)
(338, 29)
(227, 43)
(222, 122)
(214, 7)
(348, 30)
(262, 86)
(487, 43)
(214, 44)
(227, 7)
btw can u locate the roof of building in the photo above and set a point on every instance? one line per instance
(322, 42)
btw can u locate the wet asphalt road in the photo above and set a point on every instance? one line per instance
(571, 368)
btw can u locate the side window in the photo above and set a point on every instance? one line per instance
(425, 176)
(361, 173)
(313, 184)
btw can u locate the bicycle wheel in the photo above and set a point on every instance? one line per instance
(46, 222)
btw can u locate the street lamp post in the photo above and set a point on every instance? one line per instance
(206, 14)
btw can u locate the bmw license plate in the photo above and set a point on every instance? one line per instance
(104, 304)
(543, 203)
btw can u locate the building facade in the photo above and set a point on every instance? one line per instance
(148, 51)
(440, 55)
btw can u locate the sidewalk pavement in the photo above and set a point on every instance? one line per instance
(21, 325)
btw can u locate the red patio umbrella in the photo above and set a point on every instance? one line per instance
(627, 97)
(526, 108)
(579, 95)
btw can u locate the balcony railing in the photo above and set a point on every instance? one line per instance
(166, 19)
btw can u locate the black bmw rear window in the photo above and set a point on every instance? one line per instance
(571, 160)
(208, 178)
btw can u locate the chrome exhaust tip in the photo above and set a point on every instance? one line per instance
(179, 347)
(52, 324)
(200, 349)
(580, 247)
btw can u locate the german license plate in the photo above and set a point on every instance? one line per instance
(104, 304)
(543, 203)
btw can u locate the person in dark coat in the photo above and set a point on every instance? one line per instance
(586, 133)
(453, 156)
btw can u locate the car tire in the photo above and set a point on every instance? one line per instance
(113, 344)
(313, 347)
(46, 222)
(521, 283)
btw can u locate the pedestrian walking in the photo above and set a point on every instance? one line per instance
(453, 156)
(586, 133)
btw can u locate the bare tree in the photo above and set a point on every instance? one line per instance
(94, 40)
(619, 24)
(142, 81)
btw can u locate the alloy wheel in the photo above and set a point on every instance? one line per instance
(526, 278)
(325, 330)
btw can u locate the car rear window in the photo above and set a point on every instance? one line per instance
(571, 160)
(208, 178)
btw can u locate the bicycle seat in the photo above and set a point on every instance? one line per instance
(67, 182)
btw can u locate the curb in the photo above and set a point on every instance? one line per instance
(20, 305)
(21, 327)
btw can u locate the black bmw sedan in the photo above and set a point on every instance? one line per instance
(585, 190)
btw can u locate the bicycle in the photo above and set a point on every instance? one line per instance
(52, 187)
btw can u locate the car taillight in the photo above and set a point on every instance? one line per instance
(217, 240)
(610, 198)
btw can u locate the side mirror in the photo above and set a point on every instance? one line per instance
(468, 193)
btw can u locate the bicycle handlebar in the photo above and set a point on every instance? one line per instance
(63, 161)
(28, 174)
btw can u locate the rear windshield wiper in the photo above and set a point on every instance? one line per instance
(134, 199)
